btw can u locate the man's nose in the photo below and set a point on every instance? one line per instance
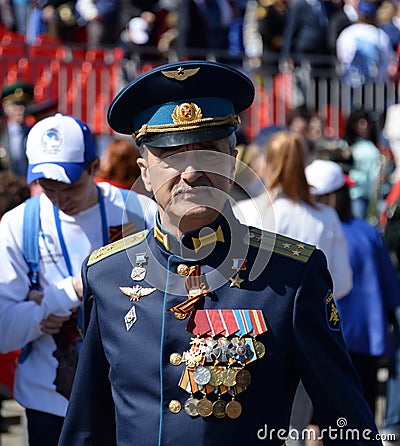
(191, 173)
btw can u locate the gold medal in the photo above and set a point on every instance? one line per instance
(219, 408)
(182, 269)
(259, 347)
(204, 407)
(175, 358)
(229, 377)
(180, 316)
(243, 378)
(233, 409)
(190, 406)
(174, 406)
(236, 281)
(216, 377)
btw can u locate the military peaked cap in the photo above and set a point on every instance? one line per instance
(182, 103)
(17, 92)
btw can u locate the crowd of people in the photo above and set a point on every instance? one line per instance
(304, 223)
(362, 34)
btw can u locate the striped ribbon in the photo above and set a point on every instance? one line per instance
(187, 381)
(195, 281)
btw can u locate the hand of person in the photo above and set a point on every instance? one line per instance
(36, 296)
(78, 286)
(52, 324)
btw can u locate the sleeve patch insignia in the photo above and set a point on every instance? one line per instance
(331, 312)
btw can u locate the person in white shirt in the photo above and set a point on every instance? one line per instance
(76, 216)
(364, 51)
(287, 207)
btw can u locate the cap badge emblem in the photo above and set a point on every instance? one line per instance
(19, 92)
(51, 141)
(180, 74)
(186, 112)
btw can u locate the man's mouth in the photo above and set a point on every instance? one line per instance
(187, 189)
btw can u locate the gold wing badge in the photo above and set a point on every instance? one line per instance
(136, 292)
(180, 74)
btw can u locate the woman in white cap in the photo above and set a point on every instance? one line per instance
(365, 312)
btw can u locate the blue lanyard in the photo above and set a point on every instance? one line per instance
(104, 226)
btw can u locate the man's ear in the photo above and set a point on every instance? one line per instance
(144, 170)
(233, 166)
(94, 166)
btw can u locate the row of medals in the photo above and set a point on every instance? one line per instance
(226, 373)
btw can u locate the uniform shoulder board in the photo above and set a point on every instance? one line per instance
(117, 246)
(280, 244)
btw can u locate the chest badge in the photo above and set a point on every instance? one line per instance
(139, 272)
(130, 318)
(136, 292)
(237, 265)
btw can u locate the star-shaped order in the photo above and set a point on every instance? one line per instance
(236, 280)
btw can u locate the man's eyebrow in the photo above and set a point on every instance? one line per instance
(209, 145)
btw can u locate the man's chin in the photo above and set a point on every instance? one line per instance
(199, 215)
(188, 208)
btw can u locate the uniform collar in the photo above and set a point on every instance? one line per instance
(201, 242)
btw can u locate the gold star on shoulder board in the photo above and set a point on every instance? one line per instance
(236, 281)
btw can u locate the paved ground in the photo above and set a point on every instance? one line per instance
(14, 421)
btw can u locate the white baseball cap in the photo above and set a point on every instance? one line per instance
(324, 177)
(59, 148)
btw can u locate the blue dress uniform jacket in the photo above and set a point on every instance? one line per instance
(125, 381)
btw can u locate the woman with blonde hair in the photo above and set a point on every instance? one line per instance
(287, 207)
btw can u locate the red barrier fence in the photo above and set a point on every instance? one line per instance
(84, 81)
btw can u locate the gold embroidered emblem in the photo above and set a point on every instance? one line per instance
(19, 92)
(332, 313)
(180, 74)
(186, 112)
(117, 246)
(280, 244)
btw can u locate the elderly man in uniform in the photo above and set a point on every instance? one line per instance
(15, 98)
(198, 331)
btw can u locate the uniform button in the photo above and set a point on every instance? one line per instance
(175, 358)
(182, 269)
(175, 406)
